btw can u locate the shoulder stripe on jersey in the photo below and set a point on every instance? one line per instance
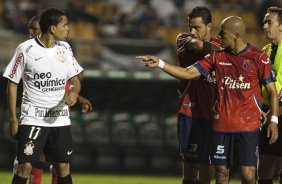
(200, 69)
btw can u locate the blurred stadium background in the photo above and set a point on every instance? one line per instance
(132, 129)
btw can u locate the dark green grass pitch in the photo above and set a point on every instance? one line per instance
(6, 177)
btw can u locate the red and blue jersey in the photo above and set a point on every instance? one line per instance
(197, 96)
(239, 80)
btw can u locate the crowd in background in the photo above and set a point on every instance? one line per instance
(134, 19)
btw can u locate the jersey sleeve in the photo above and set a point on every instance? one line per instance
(15, 68)
(205, 65)
(265, 72)
(75, 68)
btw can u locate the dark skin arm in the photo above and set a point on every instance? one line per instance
(84, 102)
(178, 72)
(272, 128)
(71, 97)
(12, 101)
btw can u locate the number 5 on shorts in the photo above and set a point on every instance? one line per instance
(220, 149)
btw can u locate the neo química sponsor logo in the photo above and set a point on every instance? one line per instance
(45, 83)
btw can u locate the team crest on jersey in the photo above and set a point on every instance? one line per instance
(246, 64)
(215, 116)
(61, 55)
(29, 148)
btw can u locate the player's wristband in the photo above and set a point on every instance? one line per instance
(161, 63)
(274, 119)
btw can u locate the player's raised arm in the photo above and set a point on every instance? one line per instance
(201, 45)
(187, 42)
(175, 71)
(210, 47)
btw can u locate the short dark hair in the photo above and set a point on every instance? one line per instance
(203, 12)
(277, 11)
(35, 18)
(50, 17)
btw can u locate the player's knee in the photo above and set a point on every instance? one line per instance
(63, 169)
(248, 174)
(24, 170)
(206, 174)
(248, 178)
(222, 170)
(222, 174)
(190, 172)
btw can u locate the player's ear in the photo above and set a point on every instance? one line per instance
(209, 26)
(52, 29)
(280, 28)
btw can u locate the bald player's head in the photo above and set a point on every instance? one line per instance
(235, 25)
(232, 33)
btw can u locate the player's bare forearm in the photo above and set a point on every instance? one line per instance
(175, 71)
(181, 73)
(273, 98)
(12, 101)
(210, 47)
(272, 128)
(71, 97)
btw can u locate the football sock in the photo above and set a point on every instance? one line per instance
(18, 180)
(35, 176)
(15, 167)
(189, 182)
(65, 180)
(265, 181)
(54, 175)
